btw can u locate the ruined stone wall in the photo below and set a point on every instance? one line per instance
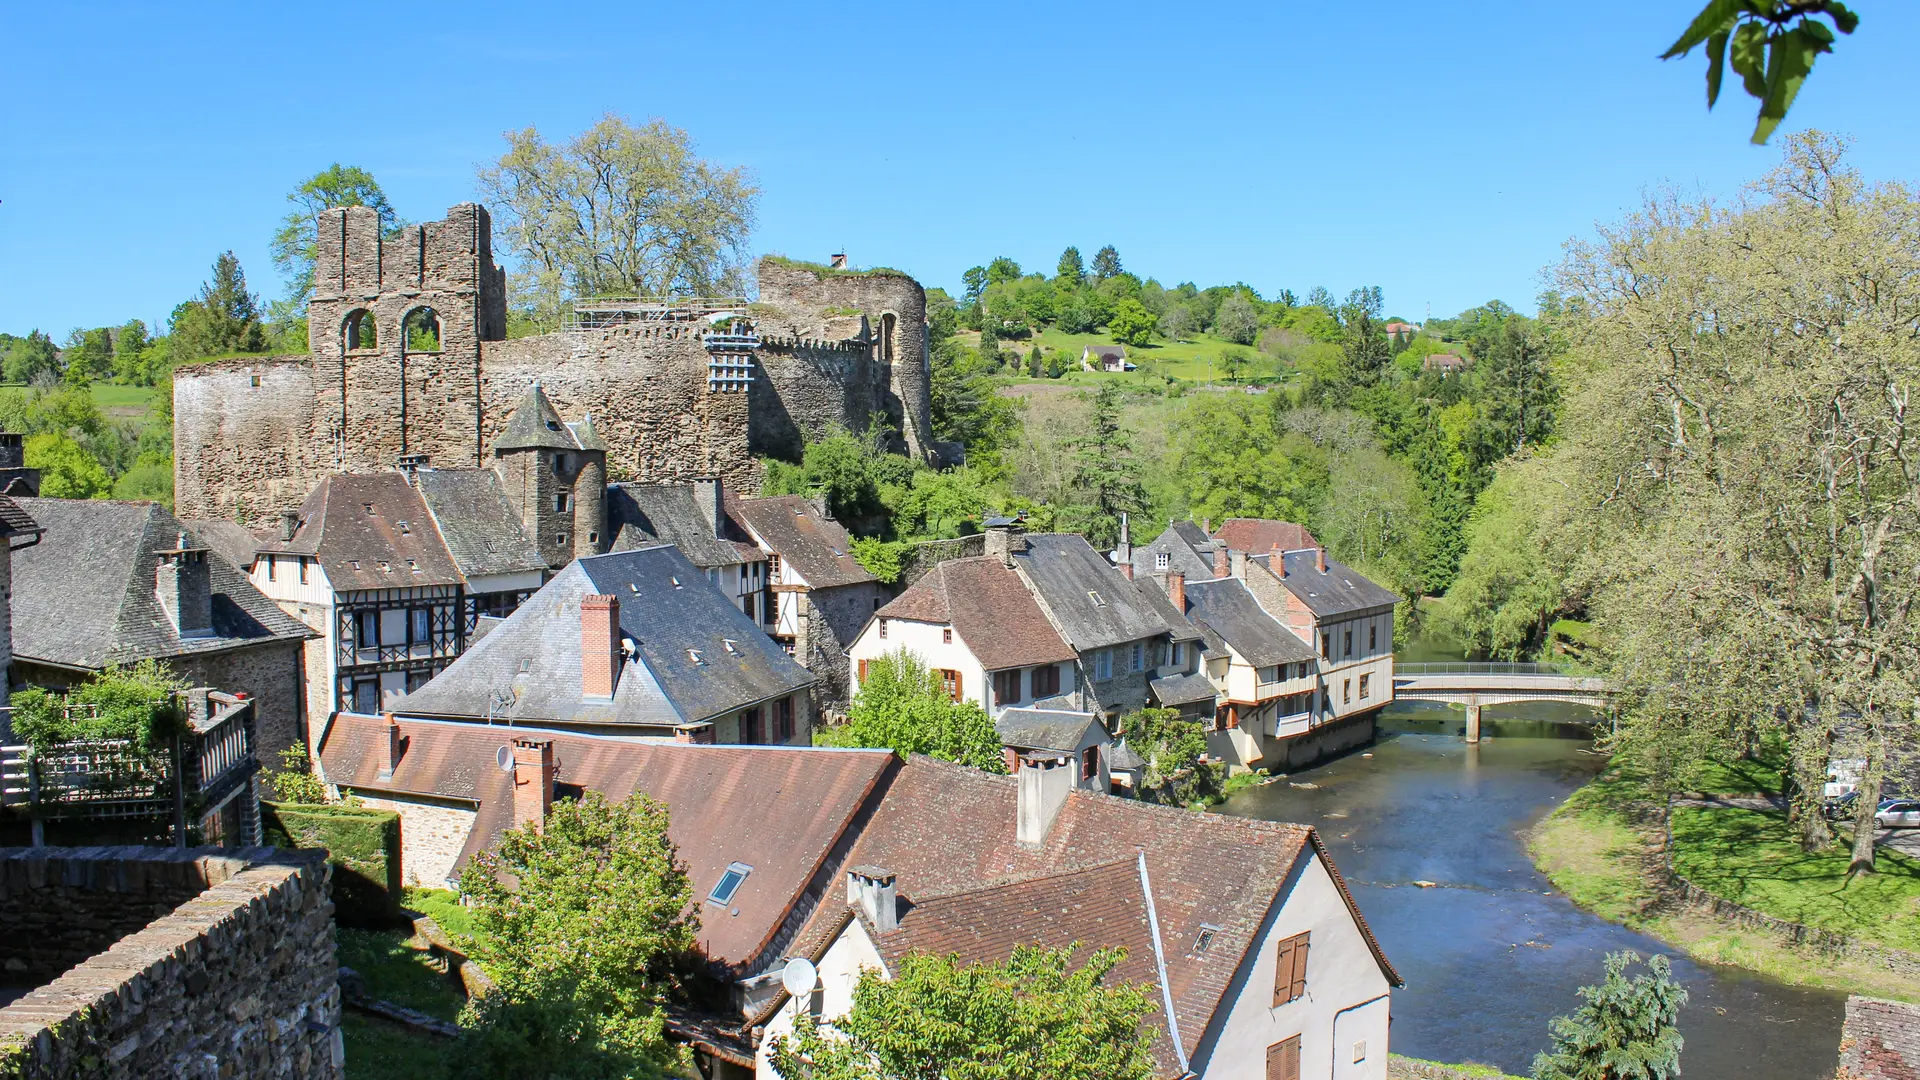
(249, 438)
(804, 387)
(237, 977)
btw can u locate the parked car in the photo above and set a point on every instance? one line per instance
(1898, 814)
(1841, 808)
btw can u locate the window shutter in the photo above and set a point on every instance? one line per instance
(1283, 973)
(863, 671)
(1299, 972)
(1283, 1060)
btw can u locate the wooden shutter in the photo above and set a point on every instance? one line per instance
(1283, 1060)
(1290, 970)
(1299, 977)
(863, 671)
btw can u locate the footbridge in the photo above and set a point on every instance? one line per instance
(1476, 685)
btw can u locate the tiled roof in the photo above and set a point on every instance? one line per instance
(229, 538)
(482, 532)
(779, 810)
(1338, 590)
(535, 424)
(818, 547)
(641, 515)
(83, 597)
(1175, 690)
(1261, 535)
(1093, 603)
(14, 521)
(944, 829)
(1044, 729)
(369, 531)
(989, 607)
(1226, 607)
(668, 609)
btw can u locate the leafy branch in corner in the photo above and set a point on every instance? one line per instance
(1771, 45)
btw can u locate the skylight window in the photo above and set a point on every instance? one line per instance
(676, 582)
(633, 588)
(694, 655)
(729, 884)
(405, 530)
(526, 665)
(1203, 940)
(731, 645)
(1095, 597)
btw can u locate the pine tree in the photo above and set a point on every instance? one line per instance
(1104, 472)
(1106, 263)
(1625, 1031)
(1071, 269)
(223, 319)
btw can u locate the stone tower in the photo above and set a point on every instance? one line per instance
(554, 478)
(395, 327)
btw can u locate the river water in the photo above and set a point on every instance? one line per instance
(1491, 952)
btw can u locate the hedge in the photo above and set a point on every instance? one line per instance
(363, 845)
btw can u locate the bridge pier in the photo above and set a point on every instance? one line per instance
(1473, 723)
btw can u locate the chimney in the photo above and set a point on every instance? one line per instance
(838, 260)
(1044, 780)
(700, 732)
(1320, 554)
(599, 646)
(871, 889)
(1006, 537)
(1125, 551)
(1277, 562)
(180, 582)
(1206, 525)
(289, 524)
(393, 748)
(1238, 561)
(1219, 559)
(410, 464)
(707, 496)
(532, 781)
(1126, 570)
(1177, 590)
(13, 453)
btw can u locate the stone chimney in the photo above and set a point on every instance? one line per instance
(289, 524)
(700, 732)
(1219, 560)
(393, 748)
(871, 889)
(1006, 537)
(13, 451)
(1045, 780)
(599, 646)
(707, 496)
(1320, 556)
(838, 260)
(1177, 590)
(180, 582)
(532, 781)
(1238, 561)
(1124, 553)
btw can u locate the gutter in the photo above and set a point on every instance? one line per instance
(1160, 962)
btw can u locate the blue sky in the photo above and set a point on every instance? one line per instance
(1443, 151)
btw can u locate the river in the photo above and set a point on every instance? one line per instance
(1490, 953)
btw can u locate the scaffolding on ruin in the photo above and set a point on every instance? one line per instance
(603, 311)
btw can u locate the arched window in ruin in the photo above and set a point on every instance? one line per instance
(422, 330)
(886, 337)
(359, 332)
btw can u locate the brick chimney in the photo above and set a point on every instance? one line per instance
(1177, 590)
(1045, 779)
(1277, 562)
(1219, 560)
(532, 780)
(1126, 570)
(599, 646)
(393, 748)
(1320, 555)
(180, 582)
(871, 889)
(838, 260)
(707, 496)
(699, 732)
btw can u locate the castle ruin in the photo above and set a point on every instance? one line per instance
(410, 360)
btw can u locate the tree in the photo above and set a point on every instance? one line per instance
(30, 356)
(1034, 1015)
(1511, 583)
(1002, 270)
(1233, 361)
(619, 209)
(1070, 269)
(1624, 1031)
(1106, 263)
(1178, 323)
(904, 707)
(583, 922)
(1105, 476)
(1237, 320)
(223, 319)
(67, 471)
(88, 355)
(1131, 323)
(130, 354)
(1771, 45)
(1363, 344)
(975, 280)
(295, 245)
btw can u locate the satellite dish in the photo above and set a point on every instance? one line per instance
(503, 757)
(799, 977)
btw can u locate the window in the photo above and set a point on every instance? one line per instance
(1290, 970)
(1349, 645)
(303, 569)
(405, 529)
(1283, 1060)
(1095, 597)
(1006, 687)
(1360, 1051)
(560, 462)
(369, 630)
(1046, 681)
(253, 380)
(1179, 654)
(419, 631)
(1090, 763)
(1139, 656)
(946, 635)
(562, 503)
(366, 696)
(560, 538)
(1161, 560)
(1346, 691)
(950, 680)
(773, 568)
(1269, 674)
(750, 726)
(1103, 664)
(1326, 646)
(883, 629)
(1203, 940)
(1364, 692)
(729, 883)
(271, 561)
(783, 720)
(1373, 643)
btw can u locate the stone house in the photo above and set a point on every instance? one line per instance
(1264, 678)
(1346, 618)
(632, 643)
(114, 583)
(1184, 547)
(17, 530)
(693, 518)
(820, 596)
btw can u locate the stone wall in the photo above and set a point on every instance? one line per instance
(834, 619)
(236, 977)
(432, 835)
(1880, 1040)
(923, 557)
(274, 676)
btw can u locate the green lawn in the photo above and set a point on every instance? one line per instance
(1184, 360)
(396, 972)
(1752, 857)
(444, 907)
(113, 399)
(377, 1050)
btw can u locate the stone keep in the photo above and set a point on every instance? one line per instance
(409, 356)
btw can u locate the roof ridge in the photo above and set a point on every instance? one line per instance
(121, 645)
(1010, 880)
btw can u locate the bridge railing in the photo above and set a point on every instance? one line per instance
(1464, 667)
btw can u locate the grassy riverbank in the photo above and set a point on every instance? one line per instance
(1602, 849)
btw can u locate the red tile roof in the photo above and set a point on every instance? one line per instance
(989, 607)
(779, 810)
(1262, 535)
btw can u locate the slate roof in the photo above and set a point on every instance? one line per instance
(585, 435)
(1227, 607)
(535, 424)
(83, 597)
(641, 515)
(1173, 691)
(1261, 535)
(1125, 757)
(780, 810)
(229, 538)
(944, 829)
(1155, 591)
(818, 547)
(1187, 549)
(14, 521)
(1341, 590)
(1044, 729)
(668, 609)
(989, 607)
(477, 524)
(369, 531)
(1093, 604)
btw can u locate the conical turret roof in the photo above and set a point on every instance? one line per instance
(534, 425)
(585, 436)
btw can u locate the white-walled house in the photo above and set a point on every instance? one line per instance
(1344, 617)
(1259, 960)
(1265, 678)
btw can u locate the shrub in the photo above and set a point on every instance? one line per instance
(362, 843)
(138, 704)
